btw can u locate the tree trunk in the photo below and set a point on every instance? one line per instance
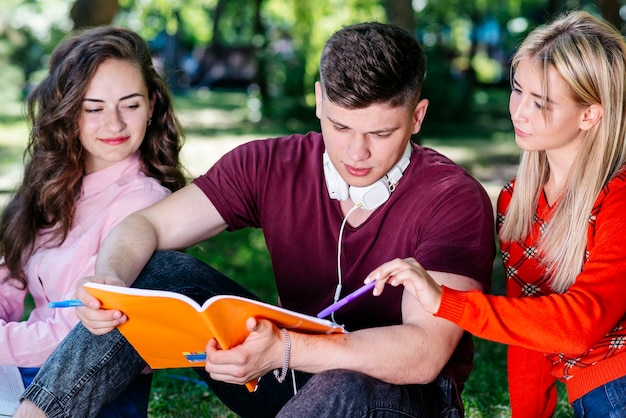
(401, 13)
(610, 12)
(260, 50)
(553, 8)
(217, 16)
(88, 13)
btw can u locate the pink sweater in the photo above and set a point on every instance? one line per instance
(107, 197)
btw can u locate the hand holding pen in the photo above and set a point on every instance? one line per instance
(96, 319)
(415, 279)
(407, 272)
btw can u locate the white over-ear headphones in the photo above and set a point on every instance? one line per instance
(369, 197)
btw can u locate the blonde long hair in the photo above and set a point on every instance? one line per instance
(590, 55)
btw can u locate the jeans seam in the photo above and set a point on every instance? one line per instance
(40, 393)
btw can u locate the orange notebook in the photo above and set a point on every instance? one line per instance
(170, 330)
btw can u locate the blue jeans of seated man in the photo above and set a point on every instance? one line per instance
(606, 401)
(71, 385)
(133, 402)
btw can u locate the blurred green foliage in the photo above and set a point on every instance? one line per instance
(468, 42)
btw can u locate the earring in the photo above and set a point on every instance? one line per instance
(149, 121)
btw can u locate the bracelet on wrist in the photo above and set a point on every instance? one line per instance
(280, 375)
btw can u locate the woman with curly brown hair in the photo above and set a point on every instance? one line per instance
(104, 142)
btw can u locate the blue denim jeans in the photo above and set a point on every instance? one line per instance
(28, 374)
(133, 402)
(606, 401)
(88, 372)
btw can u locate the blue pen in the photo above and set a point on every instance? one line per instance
(66, 304)
(349, 298)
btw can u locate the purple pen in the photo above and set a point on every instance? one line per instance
(349, 298)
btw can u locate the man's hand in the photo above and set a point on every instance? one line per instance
(262, 351)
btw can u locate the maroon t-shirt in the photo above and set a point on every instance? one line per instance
(438, 214)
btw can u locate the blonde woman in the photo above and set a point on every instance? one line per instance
(560, 224)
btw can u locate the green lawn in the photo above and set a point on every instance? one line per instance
(485, 148)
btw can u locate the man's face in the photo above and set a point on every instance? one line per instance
(364, 144)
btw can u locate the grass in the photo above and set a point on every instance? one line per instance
(486, 149)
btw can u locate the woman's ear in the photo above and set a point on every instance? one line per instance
(591, 116)
(152, 102)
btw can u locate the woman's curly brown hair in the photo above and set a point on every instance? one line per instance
(54, 157)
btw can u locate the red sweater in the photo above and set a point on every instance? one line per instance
(579, 335)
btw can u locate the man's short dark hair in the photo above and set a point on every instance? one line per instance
(370, 63)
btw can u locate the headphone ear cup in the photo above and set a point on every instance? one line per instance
(337, 187)
(372, 196)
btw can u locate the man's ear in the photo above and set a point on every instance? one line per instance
(418, 115)
(591, 116)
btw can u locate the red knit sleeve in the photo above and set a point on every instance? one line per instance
(551, 324)
(570, 322)
(532, 387)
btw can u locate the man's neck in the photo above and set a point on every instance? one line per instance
(357, 217)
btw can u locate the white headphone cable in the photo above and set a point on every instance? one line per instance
(339, 284)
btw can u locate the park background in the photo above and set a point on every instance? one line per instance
(245, 69)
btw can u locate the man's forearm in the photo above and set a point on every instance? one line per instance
(395, 354)
(127, 249)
